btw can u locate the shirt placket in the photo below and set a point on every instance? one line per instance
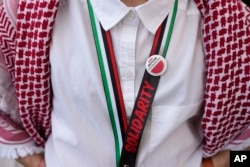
(127, 62)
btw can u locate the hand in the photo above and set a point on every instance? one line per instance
(221, 159)
(32, 161)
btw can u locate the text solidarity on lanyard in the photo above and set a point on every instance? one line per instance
(128, 137)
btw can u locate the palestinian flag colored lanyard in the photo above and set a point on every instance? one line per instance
(128, 137)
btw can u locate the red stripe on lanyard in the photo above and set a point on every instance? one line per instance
(132, 133)
(114, 72)
(118, 91)
(158, 35)
(143, 102)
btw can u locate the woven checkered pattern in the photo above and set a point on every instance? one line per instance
(7, 38)
(248, 23)
(35, 20)
(227, 47)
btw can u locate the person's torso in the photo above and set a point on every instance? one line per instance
(81, 130)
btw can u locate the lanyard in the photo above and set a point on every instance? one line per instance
(127, 136)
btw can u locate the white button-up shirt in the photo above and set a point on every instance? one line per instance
(82, 135)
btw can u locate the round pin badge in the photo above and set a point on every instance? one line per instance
(156, 65)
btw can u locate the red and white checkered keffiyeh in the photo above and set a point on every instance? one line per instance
(226, 37)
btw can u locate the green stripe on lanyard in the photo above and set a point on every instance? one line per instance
(104, 72)
(171, 26)
(105, 82)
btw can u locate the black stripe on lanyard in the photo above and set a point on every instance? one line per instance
(115, 76)
(141, 108)
(132, 133)
(115, 81)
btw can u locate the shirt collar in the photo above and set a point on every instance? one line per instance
(151, 13)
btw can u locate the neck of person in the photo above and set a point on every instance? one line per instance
(133, 3)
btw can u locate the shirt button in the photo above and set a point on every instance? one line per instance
(130, 15)
(127, 73)
(128, 109)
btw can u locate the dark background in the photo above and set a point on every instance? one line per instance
(247, 2)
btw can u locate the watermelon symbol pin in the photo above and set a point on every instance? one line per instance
(156, 65)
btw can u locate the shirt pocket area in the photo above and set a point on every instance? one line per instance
(172, 130)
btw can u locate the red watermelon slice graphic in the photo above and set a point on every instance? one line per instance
(158, 68)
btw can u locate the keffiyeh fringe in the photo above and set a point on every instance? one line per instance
(16, 151)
